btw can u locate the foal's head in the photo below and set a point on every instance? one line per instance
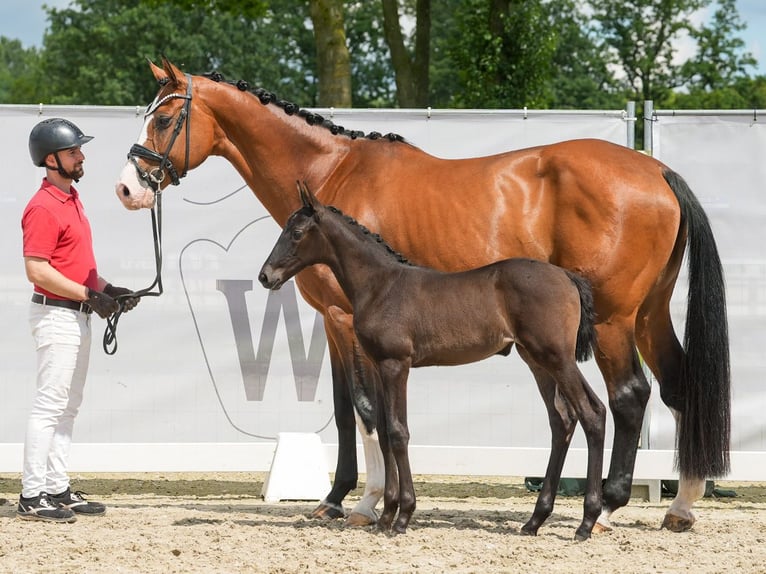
(300, 244)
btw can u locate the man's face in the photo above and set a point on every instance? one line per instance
(71, 161)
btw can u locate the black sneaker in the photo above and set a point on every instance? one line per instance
(41, 508)
(75, 502)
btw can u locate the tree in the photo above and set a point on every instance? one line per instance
(643, 36)
(19, 72)
(503, 51)
(333, 62)
(128, 32)
(412, 72)
(720, 60)
(582, 79)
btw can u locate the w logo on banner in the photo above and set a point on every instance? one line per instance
(255, 366)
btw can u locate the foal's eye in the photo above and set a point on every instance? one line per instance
(297, 234)
(163, 122)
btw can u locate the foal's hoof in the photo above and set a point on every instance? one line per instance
(327, 511)
(676, 523)
(356, 520)
(581, 535)
(600, 528)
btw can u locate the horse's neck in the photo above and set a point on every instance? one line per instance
(272, 150)
(361, 266)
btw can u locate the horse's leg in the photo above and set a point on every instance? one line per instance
(628, 392)
(562, 421)
(663, 354)
(346, 467)
(393, 396)
(363, 514)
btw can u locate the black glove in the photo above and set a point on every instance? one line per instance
(102, 304)
(119, 292)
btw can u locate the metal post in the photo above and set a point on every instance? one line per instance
(648, 126)
(630, 120)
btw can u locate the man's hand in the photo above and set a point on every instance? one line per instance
(102, 304)
(128, 303)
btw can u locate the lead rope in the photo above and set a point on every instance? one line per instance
(110, 333)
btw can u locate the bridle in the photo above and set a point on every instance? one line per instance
(154, 178)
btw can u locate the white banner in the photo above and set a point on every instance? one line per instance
(723, 158)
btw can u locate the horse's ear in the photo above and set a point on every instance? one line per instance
(171, 72)
(159, 74)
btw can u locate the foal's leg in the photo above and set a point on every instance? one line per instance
(628, 392)
(562, 421)
(592, 416)
(340, 342)
(391, 488)
(393, 396)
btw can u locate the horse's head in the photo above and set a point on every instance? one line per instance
(299, 245)
(166, 150)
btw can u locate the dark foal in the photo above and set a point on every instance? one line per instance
(406, 316)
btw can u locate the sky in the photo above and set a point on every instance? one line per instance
(25, 20)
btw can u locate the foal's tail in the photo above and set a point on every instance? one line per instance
(704, 427)
(586, 333)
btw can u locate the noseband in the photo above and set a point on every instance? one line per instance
(156, 176)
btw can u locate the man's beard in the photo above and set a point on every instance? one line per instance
(76, 173)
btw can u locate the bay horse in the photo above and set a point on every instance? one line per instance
(406, 316)
(620, 218)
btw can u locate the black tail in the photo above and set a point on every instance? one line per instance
(586, 333)
(704, 428)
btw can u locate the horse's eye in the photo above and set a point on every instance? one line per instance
(297, 234)
(163, 122)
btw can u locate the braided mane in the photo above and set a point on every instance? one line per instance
(312, 119)
(372, 236)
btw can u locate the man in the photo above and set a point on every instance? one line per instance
(59, 261)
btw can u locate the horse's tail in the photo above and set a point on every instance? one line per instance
(704, 426)
(586, 333)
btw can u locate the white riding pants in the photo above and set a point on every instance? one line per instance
(62, 337)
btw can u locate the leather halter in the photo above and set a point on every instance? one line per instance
(156, 176)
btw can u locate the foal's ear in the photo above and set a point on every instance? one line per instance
(307, 198)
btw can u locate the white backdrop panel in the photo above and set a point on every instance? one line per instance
(722, 159)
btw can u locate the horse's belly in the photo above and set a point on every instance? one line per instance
(428, 356)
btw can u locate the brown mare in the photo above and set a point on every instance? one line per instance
(406, 316)
(617, 217)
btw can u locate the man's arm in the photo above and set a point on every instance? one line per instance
(42, 273)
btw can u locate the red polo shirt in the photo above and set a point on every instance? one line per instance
(55, 228)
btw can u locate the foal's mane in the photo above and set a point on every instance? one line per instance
(312, 119)
(369, 235)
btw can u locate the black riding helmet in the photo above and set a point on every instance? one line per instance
(52, 135)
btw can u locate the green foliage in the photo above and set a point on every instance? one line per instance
(19, 72)
(128, 32)
(504, 59)
(720, 60)
(535, 53)
(641, 37)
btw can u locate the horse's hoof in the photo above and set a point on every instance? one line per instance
(676, 523)
(356, 520)
(528, 531)
(600, 528)
(327, 511)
